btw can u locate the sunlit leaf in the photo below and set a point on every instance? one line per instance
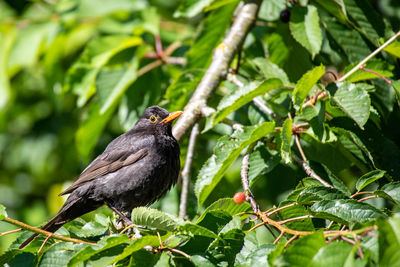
(154, 218)
(286, 137)
(390, 191)
(240, 97)
(226, 151)
(305, 84)
(368, 178)
(302, 251)
(389, 241)
(104, 244)
(3, 213)
(304, 26)
(346, 211)
(135, 246)
(354, 101)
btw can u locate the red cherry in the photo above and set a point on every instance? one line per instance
(239, 198)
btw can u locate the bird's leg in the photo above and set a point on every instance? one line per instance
(126, 220)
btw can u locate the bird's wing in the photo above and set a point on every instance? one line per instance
(104, 164)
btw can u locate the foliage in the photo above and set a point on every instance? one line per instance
(323, 152)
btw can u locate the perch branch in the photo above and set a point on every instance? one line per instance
(46, 233)
(218, 69)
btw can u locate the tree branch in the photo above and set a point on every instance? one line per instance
(186, 171)
(218, 69)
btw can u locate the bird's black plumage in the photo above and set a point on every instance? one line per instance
(135, 169)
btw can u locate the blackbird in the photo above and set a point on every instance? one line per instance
(136, 169)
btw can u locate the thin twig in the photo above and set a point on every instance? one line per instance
(46, 233)
(310, 172)
(291, 240)
(279, 237)
(186, 171)
(377, 74)
(313, 100)
(303, 156)
(43, 244)
(12, 231)
(219, 66)
(179, 252)
(348, 240)
(361, 193)
(295, 219)
(344, 77)
(281, 208)
(366, 198)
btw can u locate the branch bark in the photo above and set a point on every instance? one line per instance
(186, 171)
(218, 69)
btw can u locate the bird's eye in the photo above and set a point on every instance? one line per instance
(153, 119)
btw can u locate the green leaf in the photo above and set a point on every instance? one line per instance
(270, 70)
(3, 213)
(135, 246)
(227, 205)
(345, 211)
(271, 10)
(179, 92)
(91, 128)
(111, 84)
(190, 9)
(335, 8)
(59, 254)
(214, 27)
(301, 252)
(393, 48)
(334, 254)
(25, 51)
(10, 254)
(305, 84)
(390, 191)
(81, 77)
(370, 24)
(154, 218)
(196, 230)
(389, 241)
(286, 137)
(304, 27)
(239, 98)
(226, 151)
(104, 244)
(354, 101)
(351, 41)
(368, 178)
(318, 193)
(262, 161)
(6, 43)
(396, 87)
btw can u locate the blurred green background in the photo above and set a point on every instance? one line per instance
(49, 122)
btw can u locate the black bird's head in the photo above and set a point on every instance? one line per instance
(156, 119)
